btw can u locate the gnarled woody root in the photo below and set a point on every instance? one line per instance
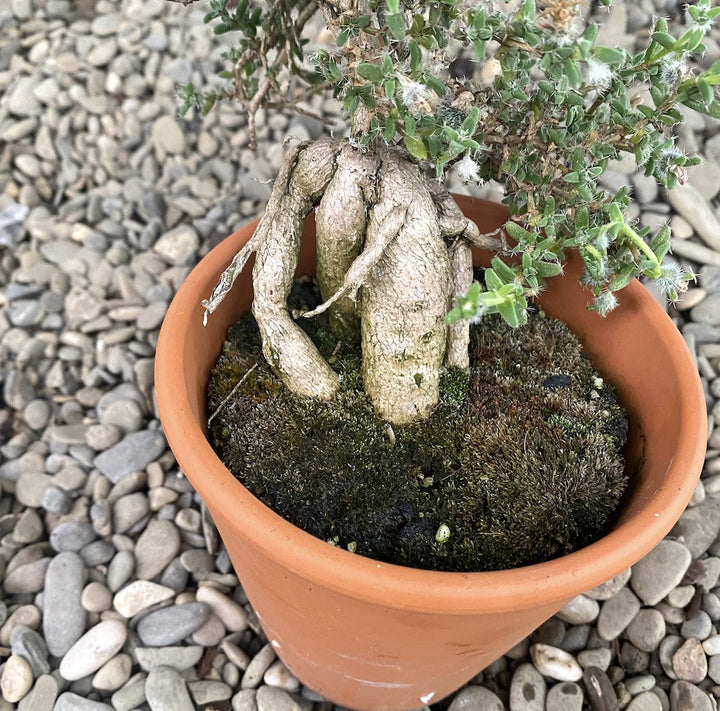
(393, 249)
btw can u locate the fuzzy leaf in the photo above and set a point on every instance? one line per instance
(416, 147)
(369, 71)
(396, 24)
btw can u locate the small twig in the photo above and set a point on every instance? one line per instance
(230, 394)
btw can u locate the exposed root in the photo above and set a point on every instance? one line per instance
(404, 299)
(232, 272)
(340, 231)
(454, 223)
(287, 348)
(457, 353)
(356, 275)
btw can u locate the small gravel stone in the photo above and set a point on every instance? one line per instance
(71, 536)
(167, 136)
(16, 679)
(611, 588)
(140, 595)
(660, 571)
(245, 700)
(133, 453)
(259, 664)
(179, 246)
(647, 630)
(97, 646)
(128, 510)
(472, 698)
(210, 633)
(527, 689)
(617, 613)
(158, 544)
(687, 697)
(96, 597)
(564, 697)
(580, 610)
(64, 618)
(114, 673)
(73, 702)
(646, 701)
(689, 661)
(270, 699)
(699, 526)
(279, 676)
(233, 616)
(208, 692)
(30, 645)
(172, 624)
(698, 626)
(179, 658)
(42, 696)
(165, 690)
(555, 663)
(599, 658)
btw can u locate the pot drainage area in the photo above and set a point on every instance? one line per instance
(107, 200)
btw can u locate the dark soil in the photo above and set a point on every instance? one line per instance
(521, 461)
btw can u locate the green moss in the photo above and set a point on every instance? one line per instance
(521, 461)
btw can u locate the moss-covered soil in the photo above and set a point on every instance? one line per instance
(521, 461)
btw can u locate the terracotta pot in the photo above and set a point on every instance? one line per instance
(379, 637)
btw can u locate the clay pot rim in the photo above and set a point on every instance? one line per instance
(408, 588)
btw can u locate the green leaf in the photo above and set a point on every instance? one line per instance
(492, 280)
(660, 244)
(505, 272)
(396, 24)
(609, 55)
(548, 269)
(712, 109)
(393, 6)
(415, 56)
(471, 121)
(415, 147)
(573, 178)
(509, 311)
(389, 130)
(664, 39)
(519, 234)
(622, 278)
(371, 72)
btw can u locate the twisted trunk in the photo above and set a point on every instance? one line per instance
(392, 249)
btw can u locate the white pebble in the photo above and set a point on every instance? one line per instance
(555, 663)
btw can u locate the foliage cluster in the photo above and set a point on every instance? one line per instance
(548, 112)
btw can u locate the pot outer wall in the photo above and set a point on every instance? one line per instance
(378, 637)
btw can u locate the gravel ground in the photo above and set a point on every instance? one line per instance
(117, 593)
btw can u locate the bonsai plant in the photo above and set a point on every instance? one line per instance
(546, 113)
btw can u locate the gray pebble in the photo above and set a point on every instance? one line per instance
(133, 453)
(566, 696)
(257, 667)
(27, 578)
(72, 702)
(206, 692)
(689, 662)
(476, 697)
(173, 624)
(647, 630)
(178, 658)
(128, 510)
(131, 695)
(37, 414)
(56, 500)
(527, 689)
(64, 618)
(617, 613)
(688, 697)
(698, 626)
(660, 571)
(29, 527)
(646, 701)
(71, 536)
(271, 699)
(156, 547)
(245, 700)
(30, 645)
(165, 690)
(42, 696)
